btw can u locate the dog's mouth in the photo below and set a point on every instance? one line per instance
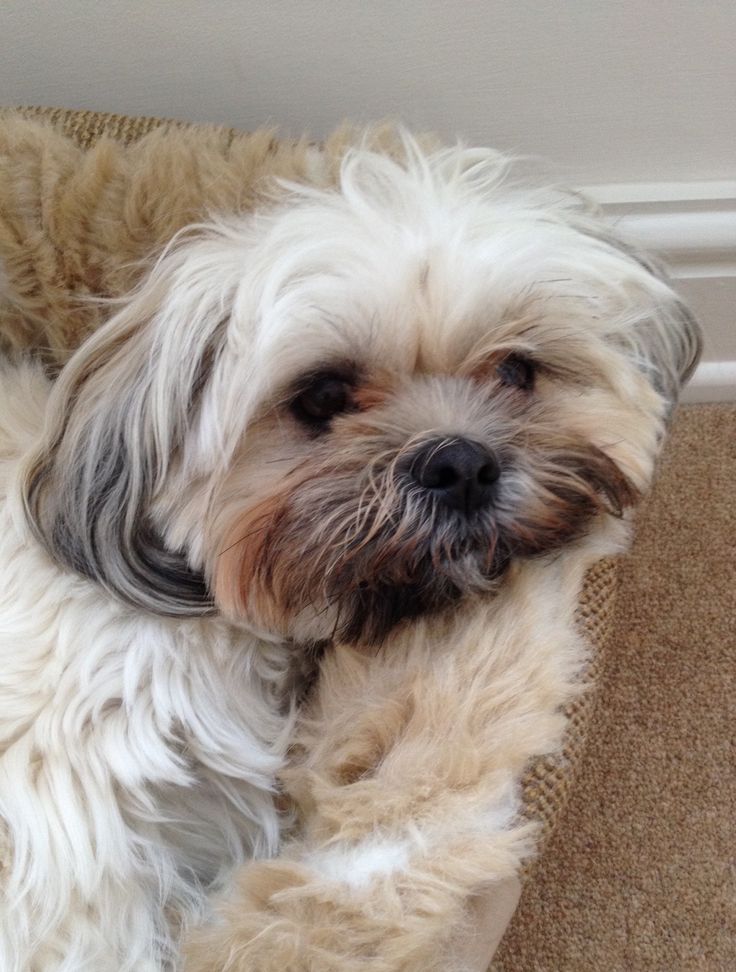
(429, 558)
(403, 574)
(373, 608)
(364, 565)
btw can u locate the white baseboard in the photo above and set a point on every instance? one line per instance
(692, 227)
(713, 381)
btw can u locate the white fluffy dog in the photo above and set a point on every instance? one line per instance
(362, 407)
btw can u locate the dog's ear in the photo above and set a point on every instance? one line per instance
(117, 417)
(670, 341)
(671, 346)
(667, 343)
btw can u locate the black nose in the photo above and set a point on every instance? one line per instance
(459, 472)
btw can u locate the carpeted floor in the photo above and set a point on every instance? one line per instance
(640, 875)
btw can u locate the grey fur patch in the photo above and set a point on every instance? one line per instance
(88, 494)
(102, 531)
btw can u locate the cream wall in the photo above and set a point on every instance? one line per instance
(609, 90)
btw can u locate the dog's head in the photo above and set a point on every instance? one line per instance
(364, 403)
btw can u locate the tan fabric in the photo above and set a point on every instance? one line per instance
(640, 875)
(85, 216)
(80, 222)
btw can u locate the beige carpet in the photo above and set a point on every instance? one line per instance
(640, 875)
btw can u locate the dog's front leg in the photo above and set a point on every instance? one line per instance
(405, 773)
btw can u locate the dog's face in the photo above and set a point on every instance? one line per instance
(364, 404)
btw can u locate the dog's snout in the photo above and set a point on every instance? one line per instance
(458, 472)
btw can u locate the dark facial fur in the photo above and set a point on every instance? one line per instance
(351, 534)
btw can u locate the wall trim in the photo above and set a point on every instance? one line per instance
(713, 381)
(692, 225)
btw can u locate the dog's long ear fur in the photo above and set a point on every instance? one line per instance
(671, 343)
(117, 417)
(668, 346)
(670, 350)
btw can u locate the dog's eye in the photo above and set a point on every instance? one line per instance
(517, 371)
(325, 397)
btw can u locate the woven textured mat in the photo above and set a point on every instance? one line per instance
(86, 127)
(548, 781)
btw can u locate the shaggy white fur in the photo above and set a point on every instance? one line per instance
(137, 754)
(405, 411)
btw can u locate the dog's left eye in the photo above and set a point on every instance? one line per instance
(325, 397)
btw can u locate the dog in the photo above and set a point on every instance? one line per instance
(391, 421)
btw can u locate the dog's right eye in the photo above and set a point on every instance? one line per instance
(517, 371)
(325, 397)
